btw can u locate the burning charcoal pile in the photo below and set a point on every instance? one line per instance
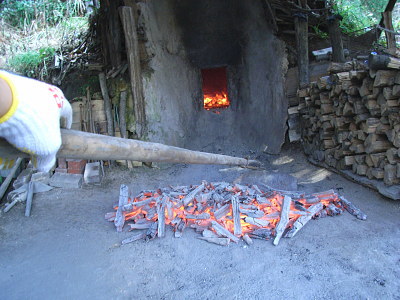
(224, 212)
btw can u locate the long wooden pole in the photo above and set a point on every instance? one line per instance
(84, 145)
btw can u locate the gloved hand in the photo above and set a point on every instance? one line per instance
(32, 124)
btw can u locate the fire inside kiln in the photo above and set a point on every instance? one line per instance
(215, 88)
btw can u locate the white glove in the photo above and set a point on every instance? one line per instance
(33, 122)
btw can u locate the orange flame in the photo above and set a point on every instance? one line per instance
(216, 101)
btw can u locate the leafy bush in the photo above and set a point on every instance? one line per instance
(28, 63)
(32, 31)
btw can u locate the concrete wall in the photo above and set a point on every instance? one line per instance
(255, 61)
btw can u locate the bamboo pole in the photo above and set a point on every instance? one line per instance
(84, 145)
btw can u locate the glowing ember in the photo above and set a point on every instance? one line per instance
(224, 212)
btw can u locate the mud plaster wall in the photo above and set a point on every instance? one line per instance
(172, 90)
(169, 88)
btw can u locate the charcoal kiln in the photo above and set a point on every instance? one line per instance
(213, 75)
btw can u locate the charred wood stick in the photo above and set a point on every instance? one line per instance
(237, 227)
(140, 226)
(136, 237)
(151, 232)
(261, 233)
(10, 205)
(29, 199)
(222, 211)
(257, 222)
(252, 213)
(247, 239)
(217, 240)
(198, 228)
(209, 234)
(284, 219)
(223, 231)
(161, 217)
(333, 210)
(129, 206)
(110, 216)
(189, 198)
(84, 145)
(119, 220)
(352, 209)
(10, 176)
(203, 216)
(180, 227)
(314, 209)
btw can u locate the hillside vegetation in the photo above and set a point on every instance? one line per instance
(34, 34)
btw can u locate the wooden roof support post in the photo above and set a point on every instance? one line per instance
(390, 37)
(335, 35)
(301, 27)
(132, 52)
(389, 7)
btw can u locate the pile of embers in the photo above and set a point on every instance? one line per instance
(224, 212)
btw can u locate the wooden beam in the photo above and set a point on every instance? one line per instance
(389, 7)
(335, 35)
(301, 27)
(271, 15)
(132, 51)
(390, 37)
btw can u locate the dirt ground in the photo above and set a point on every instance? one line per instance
(66, 250)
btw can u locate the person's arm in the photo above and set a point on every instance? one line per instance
(30, 113)
(5, 97)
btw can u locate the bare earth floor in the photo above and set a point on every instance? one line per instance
(66, 250)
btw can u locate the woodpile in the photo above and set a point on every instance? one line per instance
(224, 212)
(350, 120)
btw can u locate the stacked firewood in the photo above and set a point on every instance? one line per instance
(350, 120)
(224, 212)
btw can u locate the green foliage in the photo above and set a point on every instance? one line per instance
(358, 14)
(28, 63)
(24, 13)
(320, 33)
